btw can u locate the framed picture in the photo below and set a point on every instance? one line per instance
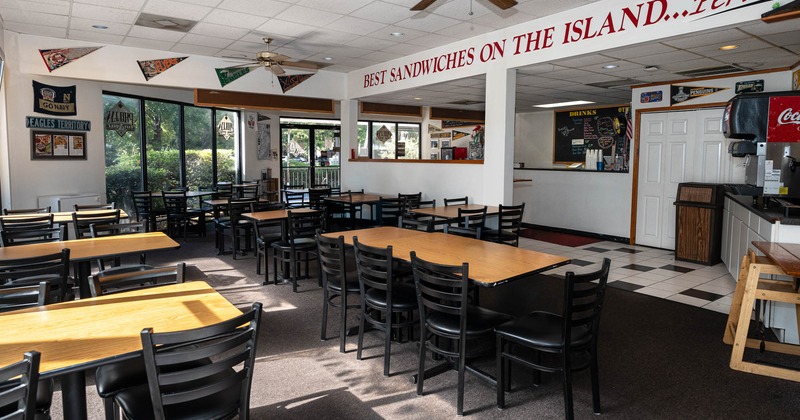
(434, 144)
(447, 153)
(57, 145)
(434, 156)
(445, 143)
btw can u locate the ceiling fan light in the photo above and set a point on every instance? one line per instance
(397, 34)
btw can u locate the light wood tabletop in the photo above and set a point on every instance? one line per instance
(356, 198)
(63, 216)
(275, 215)
(490, 264)
(93, 248)
(79, 335)
(784, 255)
(451, 212)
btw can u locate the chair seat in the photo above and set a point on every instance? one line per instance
(352, 284)
(135, 403)
(404, 297)
(114, 377)
(542, 330)
(300, 244)
(480, 321)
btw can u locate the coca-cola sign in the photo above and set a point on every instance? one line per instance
(784, 119)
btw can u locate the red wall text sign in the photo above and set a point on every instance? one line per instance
(608, 23)
(783, 125)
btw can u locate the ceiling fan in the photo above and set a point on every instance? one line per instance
(276, 62)
(503, 4)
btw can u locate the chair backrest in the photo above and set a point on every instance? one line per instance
(472, 218)
(25, 211)
(416, 224)
(238, 206)
(42, 221)
(412, 200)
(98, 206)
(294, 199)
(82, 221)
(175, 202)
(98, 230)
(441, 289)
(320, 185)
(332, 261)
(178, 371)
(293, 186)
(375, 268)
(305, 224)
(124, 281)
(19, 297)
(247, 191)
(583, 301)
(223, 190)
(426, 204)
(50, 268)
(510, 223)
(33, 236)
(316, 197)
(142, 203)
(390, 210)
(18, 386)
(456, 201)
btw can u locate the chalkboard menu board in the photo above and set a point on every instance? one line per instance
(591, 128)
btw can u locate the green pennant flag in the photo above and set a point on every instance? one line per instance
(228, 74)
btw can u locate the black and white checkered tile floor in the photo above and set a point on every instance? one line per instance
(649, 271)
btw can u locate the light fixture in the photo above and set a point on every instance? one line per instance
(417, 98)
(560, 104)
(166, 22)
(327, 58)
(728, 47)
(650, 68)
(397, 34)
(610, 66)
(100, 26)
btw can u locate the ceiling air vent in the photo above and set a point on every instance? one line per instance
(465, 102)
(165, 22)
(615, 83)
(711, 71)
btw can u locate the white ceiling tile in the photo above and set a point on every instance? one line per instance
(664, 58)
(335, 6)
(327, 37)
(344, 68)
(258, 38)
(384, 12)
(268, 8)
(176, 9)
(89, 11)
(117, 4)
(369, 43)
(307, 16)
(427, 22)
(684, 65)
(282, 27)
(153, 44)
(195, 49)
(405, 49)
(51, 7)
(460, 9)
(380, 56)
(431, 40)
(745, 45)
(95, 36)
(46, 19)
(345, 52)
(237, 19)
(208, 3)
(639, 50)
(207, 41)
(503, 18)
(155, 33)
(408, 34)
(25, 28)
(227, 32)
(114, 28)
(251, 48)
(355, 25)
(464, 30)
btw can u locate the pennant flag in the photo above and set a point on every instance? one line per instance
(152, 68)
(680, 94)
(288, 82)
(262, 117)
(459, 134)
(58, 57)
(451, 124)
(54, 100)
(432, 128)
(228, 75)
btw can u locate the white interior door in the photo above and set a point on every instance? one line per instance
(675, 147)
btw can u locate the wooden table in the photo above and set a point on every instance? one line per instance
(490, 264)
(451, 212)
(83, 251)
(80, 335)
(63, 217)
(780, 259)
(353, 201)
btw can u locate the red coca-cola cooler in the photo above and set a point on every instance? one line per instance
(768, 127)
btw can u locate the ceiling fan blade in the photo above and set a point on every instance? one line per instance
(300, 65)
(238, 66)
(277, 69)
(422, 5)
(504, 4)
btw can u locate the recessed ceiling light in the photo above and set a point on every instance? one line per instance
(328, 58)
(650, 68)
(166, 22)
(610, 66)
(397, 34)
(560, 104)
(100, 26)
(728, 47)
(417, 98)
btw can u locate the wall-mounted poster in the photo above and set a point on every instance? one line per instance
(57, 145)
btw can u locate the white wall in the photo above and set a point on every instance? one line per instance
(533, 132)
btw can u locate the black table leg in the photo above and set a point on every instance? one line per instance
(84, 272)
(73, 394)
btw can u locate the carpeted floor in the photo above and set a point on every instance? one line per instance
(658, 360)
(558, 238)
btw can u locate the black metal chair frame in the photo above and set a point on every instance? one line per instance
(456, 201)
(469, 223)
(98, 206)
(235, 226)
(82, 222)
(390, 210)
(264, 241)
(27, 296)
(508, 225)
(294, 199)
(336, 284)
(143, 206)
(33, 236)
(51, 268)
(151, 277)
(179, 217)
(8, 212)
(300, 244)
(40, 221)
(19, 383)
(580, 321)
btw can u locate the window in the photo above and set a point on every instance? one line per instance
(388, 140)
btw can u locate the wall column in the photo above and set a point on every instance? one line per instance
(498, 165)
(349, 117)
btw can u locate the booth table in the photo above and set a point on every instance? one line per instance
(76, 336)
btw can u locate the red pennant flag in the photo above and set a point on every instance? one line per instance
(58, 57)
(152, 68)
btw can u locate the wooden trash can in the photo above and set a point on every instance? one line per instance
(698, 222)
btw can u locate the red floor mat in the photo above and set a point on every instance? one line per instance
(558, 238)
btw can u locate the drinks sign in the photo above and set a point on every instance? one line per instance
(783, 125)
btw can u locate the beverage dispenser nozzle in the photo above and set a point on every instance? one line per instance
(792, 163)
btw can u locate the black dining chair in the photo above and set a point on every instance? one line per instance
(114, 264)
(408, 222)
(448, 321)
(145, 211)
(470, 223)
(50, 268)
(266, 233)
(235, 226)
(390, 210)
(20, 297)
(81, 222)
(456, 201)
(508, 226)
(132, 280)
(19, 384)
(38, 221)
(412, 200)
(299, 246)
(200, 373)
(45, 209)
(96, 206)
(570, 336)
(339, 285)
(317, 196)
(386, 304)
(294, 199)
(181, 218)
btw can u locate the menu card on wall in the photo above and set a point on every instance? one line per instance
(590, 128)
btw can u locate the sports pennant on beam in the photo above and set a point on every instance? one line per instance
(288, 82)
(58, 57)
(459, 134)
(228, 75)
(152, 68)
